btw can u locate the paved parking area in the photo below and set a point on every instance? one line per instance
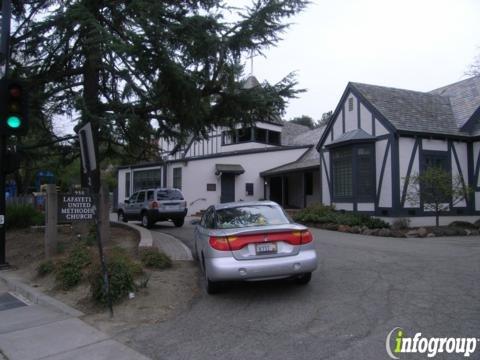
(364, 287)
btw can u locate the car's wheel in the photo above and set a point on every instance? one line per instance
(146, 221)
(122, 217)
(195, 252)
(211, 287)
(304, 279)
(179, 222)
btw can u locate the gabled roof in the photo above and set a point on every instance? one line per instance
(409, 110)
(464, 98)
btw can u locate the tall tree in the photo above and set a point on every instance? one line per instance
(144, 69)
(304, 120)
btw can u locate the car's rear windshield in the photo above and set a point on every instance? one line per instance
(247, 216)
(169, 194)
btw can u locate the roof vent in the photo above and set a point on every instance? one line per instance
(350, 104)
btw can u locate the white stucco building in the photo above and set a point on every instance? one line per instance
(227, 166)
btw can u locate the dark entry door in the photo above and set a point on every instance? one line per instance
(276, 189)
(228, 188)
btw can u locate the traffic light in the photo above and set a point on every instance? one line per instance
(14, 108)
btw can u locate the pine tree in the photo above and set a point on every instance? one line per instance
(144, 69)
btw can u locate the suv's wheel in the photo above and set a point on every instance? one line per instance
(122, 217)
(304, 279)
(146, 221)
(179, 222)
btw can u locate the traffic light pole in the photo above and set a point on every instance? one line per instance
(3, 154)
(4, 45)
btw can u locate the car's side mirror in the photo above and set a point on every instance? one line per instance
(195, 222)
(127, 201)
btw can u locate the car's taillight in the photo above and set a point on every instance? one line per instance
(219, 243)
(307, 237)
(154, 205)
(234, 243)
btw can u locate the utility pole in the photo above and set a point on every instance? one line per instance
(5, 55)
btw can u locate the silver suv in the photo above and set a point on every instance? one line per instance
(152, 205)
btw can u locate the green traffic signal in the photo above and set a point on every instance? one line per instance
(14, 122)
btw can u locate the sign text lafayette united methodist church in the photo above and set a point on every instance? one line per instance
(75, 207)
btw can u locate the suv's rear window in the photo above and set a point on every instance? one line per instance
(169, 194)
(245, 216)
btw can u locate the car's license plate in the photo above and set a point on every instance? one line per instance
(171, 207)
(266, 248)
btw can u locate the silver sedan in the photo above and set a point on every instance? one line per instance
(250, 241)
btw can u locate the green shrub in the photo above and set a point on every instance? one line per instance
(71, 271)
(20, 216)
(152, 258)
(321, 214)
(45, 268)
(80, 255)
(68, 275)
(120, 277)
(118, 254)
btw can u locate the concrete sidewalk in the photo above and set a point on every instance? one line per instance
(166, 243)
(31, 332)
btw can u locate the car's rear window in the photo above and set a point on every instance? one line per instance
(169, 194)
(247, 216)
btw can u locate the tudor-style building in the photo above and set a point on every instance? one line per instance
(378, 136)
(226, 166)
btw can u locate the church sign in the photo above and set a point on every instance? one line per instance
(75, 207)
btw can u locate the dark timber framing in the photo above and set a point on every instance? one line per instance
(392, 154)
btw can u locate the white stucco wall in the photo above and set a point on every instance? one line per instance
(338, 126)
(437, 145)
(365, 119)
(325, 176)
(380, 129)
(196, 174)
(461, 149)
(366, 207)
(385, 199)
(476, 151)
(406, 146)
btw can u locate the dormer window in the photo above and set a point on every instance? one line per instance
(259, 135)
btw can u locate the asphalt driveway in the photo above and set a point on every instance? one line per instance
(363, 288)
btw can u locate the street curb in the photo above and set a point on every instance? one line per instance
(35, 296)
(145, 235)
(177, 249)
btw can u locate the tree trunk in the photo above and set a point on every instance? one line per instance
(91, 77)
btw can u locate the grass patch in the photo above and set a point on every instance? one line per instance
(153, 258)
(45, 268)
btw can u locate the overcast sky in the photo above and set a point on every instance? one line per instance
(411, 44)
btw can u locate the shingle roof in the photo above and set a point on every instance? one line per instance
(464, 98)
(310, 159)
(412, 110)
(290, 131)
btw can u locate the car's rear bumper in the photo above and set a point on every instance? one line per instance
(230, 269)
(158, 215)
